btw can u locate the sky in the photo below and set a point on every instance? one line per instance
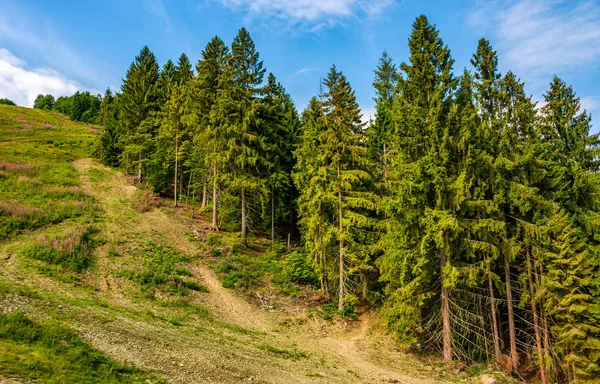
(60, 47)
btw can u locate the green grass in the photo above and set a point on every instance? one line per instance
(71, 250)
(162, 270)
(50, 353)
(38, 184)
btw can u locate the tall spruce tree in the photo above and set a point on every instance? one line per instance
(239, 109)
(138, 101)
(208, 121)
(280, 124)
(344, 157)
(422, 225)
(316, 216)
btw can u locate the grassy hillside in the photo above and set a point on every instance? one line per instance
(46, 217)
(100, 284)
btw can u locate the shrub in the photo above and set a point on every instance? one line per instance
(297, 269)
(147, 201)
(213, 240)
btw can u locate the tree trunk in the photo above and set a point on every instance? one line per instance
(215, 224)
(497, 351)
(536, 327)
(544, 317)
(341, 290)
(446, 329)
(176, 169)
(365, 285)
(514, 357)
(272, 215)
(139, 176)
(204, 196)
(244, 227)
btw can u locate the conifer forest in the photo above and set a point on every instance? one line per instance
(464, 213)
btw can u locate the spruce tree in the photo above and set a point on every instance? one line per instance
(110, 146)
(315, 216)
(280, 123)
(207, 120)
(570, 301)
(422, 225)
(239, 108)
(138, 102)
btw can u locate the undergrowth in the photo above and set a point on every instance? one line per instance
(161, 270)
(288, 271)
(71, 250)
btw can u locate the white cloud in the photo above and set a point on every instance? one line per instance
(22, 85)
(314, 15)
(32, 35)
(542, 37)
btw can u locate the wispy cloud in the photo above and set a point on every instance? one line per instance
(303, 72)
(22, 85)
(541, 37)
(157, 9)
(32, 33)
(312, 15)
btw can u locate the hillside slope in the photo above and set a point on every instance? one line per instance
(77, 252)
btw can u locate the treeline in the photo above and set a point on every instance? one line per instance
(467, 212)
(82, 106)
(5, 101)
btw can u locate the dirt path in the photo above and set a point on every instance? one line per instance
(202, 354)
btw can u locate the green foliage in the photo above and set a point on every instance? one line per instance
(5, 101)
(138, 104)
(45, 102)
(298, 269)
(50, 353)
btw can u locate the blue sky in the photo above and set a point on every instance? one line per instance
(61, 46)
